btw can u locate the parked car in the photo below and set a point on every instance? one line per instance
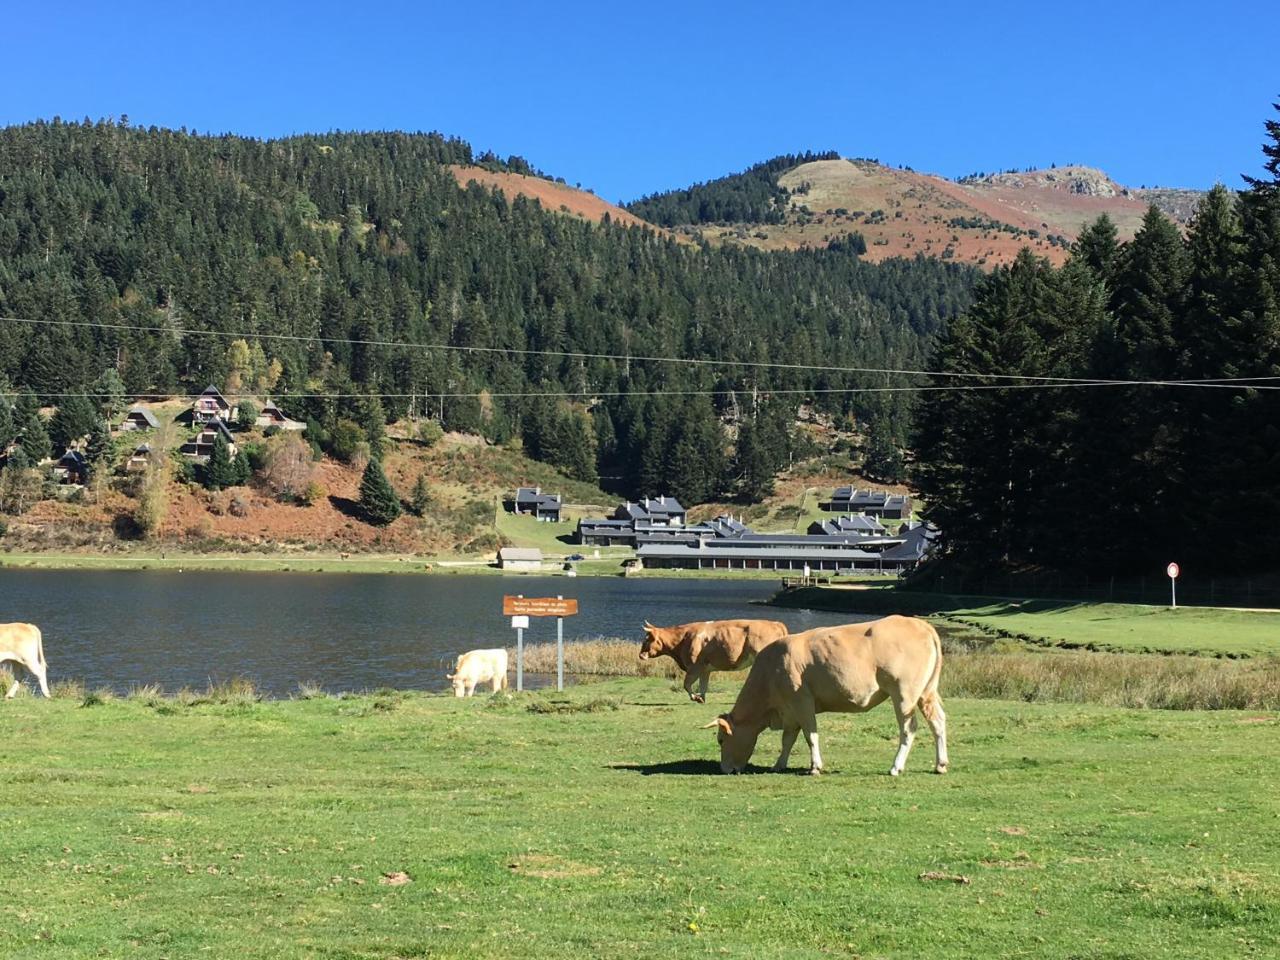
(575, 556)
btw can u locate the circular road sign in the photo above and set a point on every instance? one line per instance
(1172, 570)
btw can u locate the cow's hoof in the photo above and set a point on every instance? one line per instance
(940, 768)
(779, 768)
(697, 698)
(815, 771)
(894, 771)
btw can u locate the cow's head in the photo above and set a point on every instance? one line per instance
(737, 743)
(654, 643)
(459, 685)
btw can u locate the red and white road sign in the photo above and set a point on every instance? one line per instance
(1173, 570)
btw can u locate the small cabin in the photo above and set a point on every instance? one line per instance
(533, 502)
(139, 418)
(71, 468)
(140, 459)
(520, 558)
(200, 447)
(211, 405)
(273, 416)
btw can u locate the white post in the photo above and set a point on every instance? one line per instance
(1173, 592)
(559, 649)
(519, 659)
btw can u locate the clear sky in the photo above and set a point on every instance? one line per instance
(628, 98)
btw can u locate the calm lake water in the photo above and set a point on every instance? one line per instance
(343, 631)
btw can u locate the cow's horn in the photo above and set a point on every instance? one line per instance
(713, 723)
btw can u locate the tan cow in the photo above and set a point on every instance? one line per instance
(845, 669)
(699, 648)
(476, 667)
(21, 643)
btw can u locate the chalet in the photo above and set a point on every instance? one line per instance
(273, 416)
(71, 467)
(200, 446)
(520, 558)
(140, 459)
(139, 418)
(211, 405)
(535, 503)
(860, 525)
(655, 511)
(876, 503)
(606, 533)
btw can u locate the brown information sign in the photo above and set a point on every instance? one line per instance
(538, 607)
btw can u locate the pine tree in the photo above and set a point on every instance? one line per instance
(110, 391)
(74, 418)
(420, 498)
(882, 459)
(98, 449)
(219, 472)
(753, 466)
(34, 438)
(378, 500)
(1097, 247)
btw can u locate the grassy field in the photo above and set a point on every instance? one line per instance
(1212, 631)
(592, 824)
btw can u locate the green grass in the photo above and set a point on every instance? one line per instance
(1211, 631)
(591, 826)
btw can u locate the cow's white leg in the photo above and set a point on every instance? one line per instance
(788, 741)
(931, 707)
(13, 690)
(471, 688)
(906, 736)
(702, 686)
(811, 738)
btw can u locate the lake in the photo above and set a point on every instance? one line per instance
(120, 629)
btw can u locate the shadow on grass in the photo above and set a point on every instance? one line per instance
(347, 507)
(688, 768)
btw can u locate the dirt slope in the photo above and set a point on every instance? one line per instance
(556, 197)
(984, 221)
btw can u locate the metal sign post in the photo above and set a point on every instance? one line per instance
(520, 609)
(559, 650)
(1173, 570)
(520, 624)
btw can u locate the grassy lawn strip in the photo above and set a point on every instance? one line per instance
(594, 826)
(1205, 631)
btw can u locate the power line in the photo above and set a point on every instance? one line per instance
(1230, 382)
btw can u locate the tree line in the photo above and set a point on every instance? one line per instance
(752, 196)
(1120, 478)
(166, 261)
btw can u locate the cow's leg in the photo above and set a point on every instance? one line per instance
(931, 707)
(810, 725)
(13, 690)
(702, 685)
(695, 674)
(788, 741)
(471, 688)
(906, 735)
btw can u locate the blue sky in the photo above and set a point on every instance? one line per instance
(631, 98)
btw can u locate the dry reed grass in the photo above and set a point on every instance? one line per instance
(1143, 681)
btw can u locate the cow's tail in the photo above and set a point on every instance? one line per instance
(40, 649)
(929, 699)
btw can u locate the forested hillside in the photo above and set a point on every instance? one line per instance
(323, 253)
(752, 196)
(1127, 475)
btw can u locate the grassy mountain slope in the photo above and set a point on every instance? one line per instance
(984, 220)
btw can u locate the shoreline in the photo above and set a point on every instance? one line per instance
(179, 562)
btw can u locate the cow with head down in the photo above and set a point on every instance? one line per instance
(845, 669)
(699, 648)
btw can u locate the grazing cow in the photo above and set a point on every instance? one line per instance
(845, 669)
(699, 648)
(21, 643)
(476, 667)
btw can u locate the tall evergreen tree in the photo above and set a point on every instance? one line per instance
(219, 472)
(378, 500)
(74, 418)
